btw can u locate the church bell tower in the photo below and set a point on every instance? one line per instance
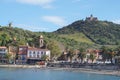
(41, 42)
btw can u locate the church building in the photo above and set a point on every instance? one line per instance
(35, 54)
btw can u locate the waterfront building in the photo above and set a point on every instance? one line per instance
(95, 53)
(22, 54)
(13, 50)
(3, 52)
(31, 55)
(35, 54)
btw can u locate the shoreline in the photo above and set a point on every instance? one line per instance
(93, 71)
(21, 66)
(85, 70)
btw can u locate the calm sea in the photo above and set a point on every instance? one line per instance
(40, 74)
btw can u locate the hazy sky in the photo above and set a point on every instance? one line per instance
(50, 15)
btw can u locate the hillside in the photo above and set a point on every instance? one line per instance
(9, 34)
(79, 37)
(86, 34)
(99, 32)
(17, 36)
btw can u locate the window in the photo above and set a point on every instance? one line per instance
(34, 54)
(44, 53)
(30, 54)
(38, 52)
(41, 53)
(38, 55)
(3, 49)
(0, 49)
(20, 49)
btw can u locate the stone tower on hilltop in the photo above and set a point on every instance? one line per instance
(91, 18)
(41, 41)
(10, 24)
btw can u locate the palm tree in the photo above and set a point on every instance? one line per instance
(92, 57)
(70, 54)
(104, 52)
(62, 56)
(81, 54)
(111, 55)
(107, 53)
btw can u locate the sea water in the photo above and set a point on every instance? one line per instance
(47, 74)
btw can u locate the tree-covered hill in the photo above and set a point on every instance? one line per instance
(10, 36)
(99, 32)
(85, 34)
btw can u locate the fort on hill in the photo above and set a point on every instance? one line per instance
(91, 18)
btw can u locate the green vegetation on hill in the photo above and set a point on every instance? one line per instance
(80, 34)
(21, 37)
(100, 32)
(10, 36)
(65, 41)
(79, 37)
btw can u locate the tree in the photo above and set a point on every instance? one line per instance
(107, 53)
(54, 49)
(4, 39)
(111, 55)
(81, 54)
(44, 57)
(104, 52)
(8, 57)
(62, 57)
(70, 54)
(92, 57)
(117, 55)
(118, 51)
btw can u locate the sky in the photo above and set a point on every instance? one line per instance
(50, 15)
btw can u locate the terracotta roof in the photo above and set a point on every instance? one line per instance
(37, 49)
(23, 46)
(22, 52)
(3, 47)
(93, 50)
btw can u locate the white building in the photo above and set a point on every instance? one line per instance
(3, 51)
(36, 53)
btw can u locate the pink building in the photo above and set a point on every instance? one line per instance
(92, 51)
(22, 54)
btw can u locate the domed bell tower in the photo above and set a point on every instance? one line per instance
(41, 42)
